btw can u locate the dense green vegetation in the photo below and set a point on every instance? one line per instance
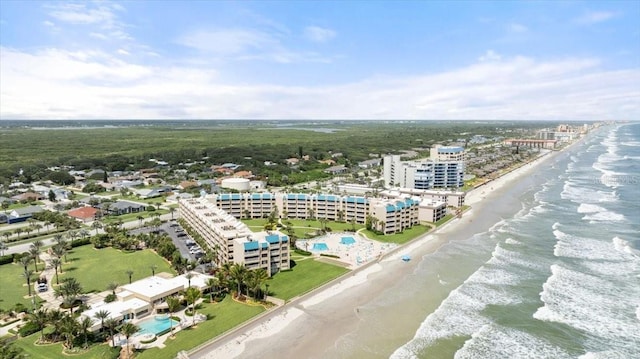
(248, 144)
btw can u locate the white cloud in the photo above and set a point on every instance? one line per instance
(517, 28)
(490, 55)
(63, 84)
(594, 17)
(82, 13)
(319, 34)
(247, 44)
(123, 52)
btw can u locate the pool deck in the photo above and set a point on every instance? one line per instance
(352, 255)
(185, 322)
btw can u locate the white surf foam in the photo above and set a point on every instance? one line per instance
(598, 306)
(496, 342)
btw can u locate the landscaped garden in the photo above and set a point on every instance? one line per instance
(13, 286)
(306, 275)
(399, 238)
(96, 268)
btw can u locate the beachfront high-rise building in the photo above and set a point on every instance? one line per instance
(232, 240)
(423, 174)
(447, 153)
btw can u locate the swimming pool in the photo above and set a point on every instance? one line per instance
(320, 246)
(155, 325)
(347, 240)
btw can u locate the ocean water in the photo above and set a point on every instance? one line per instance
(559, 279)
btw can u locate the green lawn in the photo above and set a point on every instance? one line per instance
(444, 220)
(255, 225)
(399, 238)
(96, 268)
(102, 351)
(152, 201)
(13, 286)
(306, 275)
(222, 316)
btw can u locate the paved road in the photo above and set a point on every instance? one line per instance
(48, 240)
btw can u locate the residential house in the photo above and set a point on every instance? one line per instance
(22, 214)
(28, 197)
(84, 214)
(122, 207)
(336, 169)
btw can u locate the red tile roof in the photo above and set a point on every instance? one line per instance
(83, 212)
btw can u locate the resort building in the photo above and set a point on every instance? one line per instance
(394, 216)
(450, 198)
(447, 153)
(515, 142)
(231, 239)
(145, 296)
(423, 174)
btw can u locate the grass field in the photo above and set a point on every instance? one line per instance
(222, 317)
(13, 286)
(399, 238)
(96, 268)
(102, 351)
(255, 225)
(305, 276)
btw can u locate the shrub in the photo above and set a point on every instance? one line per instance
(329, 255)
(28, 329)
(302, 252)
(151, 340)
(110, 298)
(81, 242)
(6, 259)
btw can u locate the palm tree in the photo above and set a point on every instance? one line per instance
(25, 261)
(193, 294)
(6, 235)
(37, 227)
(59, 251)
(212, 283)
(18, 231)
(172, 211)
(128, 329)
(40, 318)
(68, 329)
(140, 219)
(72, 235)
(102, 315)
(83, 233)
(27, 275)
(153, 270)
(238, 272)
(3, 247)
(111, 324)
(112, 287)
(173, 304)
(85, 324)
(69, 291)
(258, 277)
(189, 276)
(56, 262)
(130, 274)
(34, 253)
(96, 225)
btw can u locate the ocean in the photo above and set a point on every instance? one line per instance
(559, 279)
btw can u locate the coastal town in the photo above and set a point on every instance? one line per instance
(187, 251)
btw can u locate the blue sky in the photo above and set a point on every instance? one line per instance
(515, 60)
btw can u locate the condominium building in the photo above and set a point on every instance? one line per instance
(394, 216)
(423, 174)
(447, 153)
(231, 240)
(450, 198)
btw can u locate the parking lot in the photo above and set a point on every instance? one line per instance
(188, 248)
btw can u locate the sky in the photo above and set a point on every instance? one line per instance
(407, 60)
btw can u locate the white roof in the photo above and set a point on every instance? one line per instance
(151, 286)
(116, 309)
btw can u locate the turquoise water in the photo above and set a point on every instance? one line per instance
(155, 325)
(320, 246)
(347, 240)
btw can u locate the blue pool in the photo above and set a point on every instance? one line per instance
(320, 246)
(155, 325)
(347, 240)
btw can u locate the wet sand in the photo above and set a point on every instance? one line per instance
(318, 324)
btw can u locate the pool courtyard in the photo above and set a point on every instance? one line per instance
(351, 248)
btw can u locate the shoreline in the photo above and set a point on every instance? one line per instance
(343, 297)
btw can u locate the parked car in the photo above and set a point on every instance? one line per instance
(42, 287)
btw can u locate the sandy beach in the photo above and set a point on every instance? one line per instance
(315, 325)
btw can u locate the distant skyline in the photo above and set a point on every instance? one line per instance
(484, 60)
